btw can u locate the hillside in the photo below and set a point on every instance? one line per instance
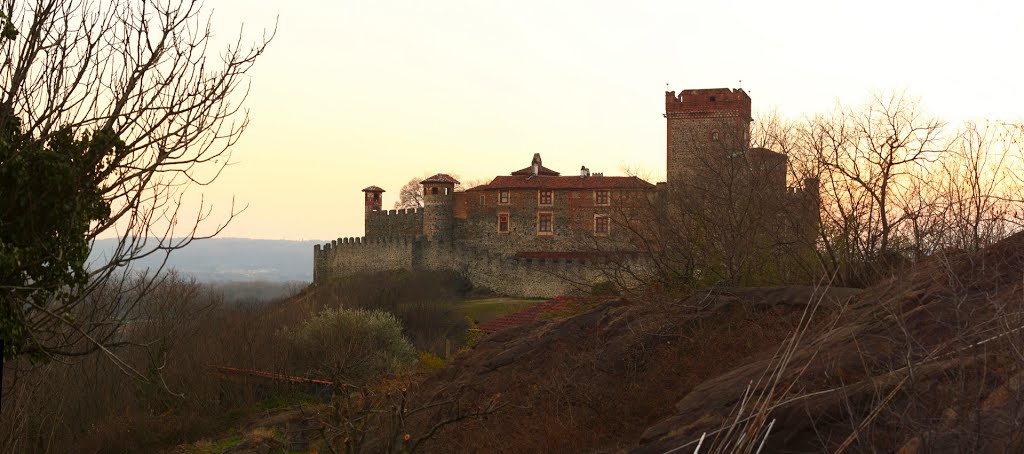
(928, 361)
(595, 381)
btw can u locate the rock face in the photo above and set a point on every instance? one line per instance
(929, 361)
(595, 381)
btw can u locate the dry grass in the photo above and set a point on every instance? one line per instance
(606, 374)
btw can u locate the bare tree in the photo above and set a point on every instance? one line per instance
(978, 185)
(731, 221)
(142, 109)
(411, 195)
(869, 159)
(470, 184)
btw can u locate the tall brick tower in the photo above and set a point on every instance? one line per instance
(372, 200)
(704, 126)
(438, 207)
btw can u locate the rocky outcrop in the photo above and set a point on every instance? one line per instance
(596, 380)
(929, 361)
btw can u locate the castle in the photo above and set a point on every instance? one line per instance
(533, 232)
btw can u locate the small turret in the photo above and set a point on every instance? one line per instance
(438, 206)
(373, 198)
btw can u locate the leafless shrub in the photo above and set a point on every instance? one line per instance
(360, 419)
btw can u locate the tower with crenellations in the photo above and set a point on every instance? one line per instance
(703, 127)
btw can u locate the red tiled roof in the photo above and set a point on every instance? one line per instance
(440, 178)
(574, 182)
(526, 315)
(541, 171)
(373, 189)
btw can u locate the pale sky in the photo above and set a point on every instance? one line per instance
(352, 94)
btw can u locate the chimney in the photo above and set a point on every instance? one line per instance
(584, 171)
(536, 164)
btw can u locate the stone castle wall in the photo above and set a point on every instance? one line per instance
(502, 274)
(573, 212)
(347, 256)
(394, 223)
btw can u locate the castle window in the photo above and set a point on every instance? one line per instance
(433, 191)
(714, 135)
(503, 223)
(483, 200)
(544, 224)
(503, 197)
(544, 197)
(712, 99)
(601, 225)
(601, 197)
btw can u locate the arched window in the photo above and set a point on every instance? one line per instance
(714, 135)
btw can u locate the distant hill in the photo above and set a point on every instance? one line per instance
(233, 259)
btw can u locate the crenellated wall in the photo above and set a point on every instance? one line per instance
(347, 256)
(502, 274)
(394, 223)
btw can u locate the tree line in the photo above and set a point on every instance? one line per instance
(893, 185)
(898, 185)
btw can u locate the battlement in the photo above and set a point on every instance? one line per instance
(521, 276)
(394, 223)
(708, 103)
(360, 241)
(400, 212)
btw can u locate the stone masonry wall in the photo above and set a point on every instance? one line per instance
(394, 223)
(703, 126)
(502, 274)
(691, 149)
(573, 213)
(347, 256)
